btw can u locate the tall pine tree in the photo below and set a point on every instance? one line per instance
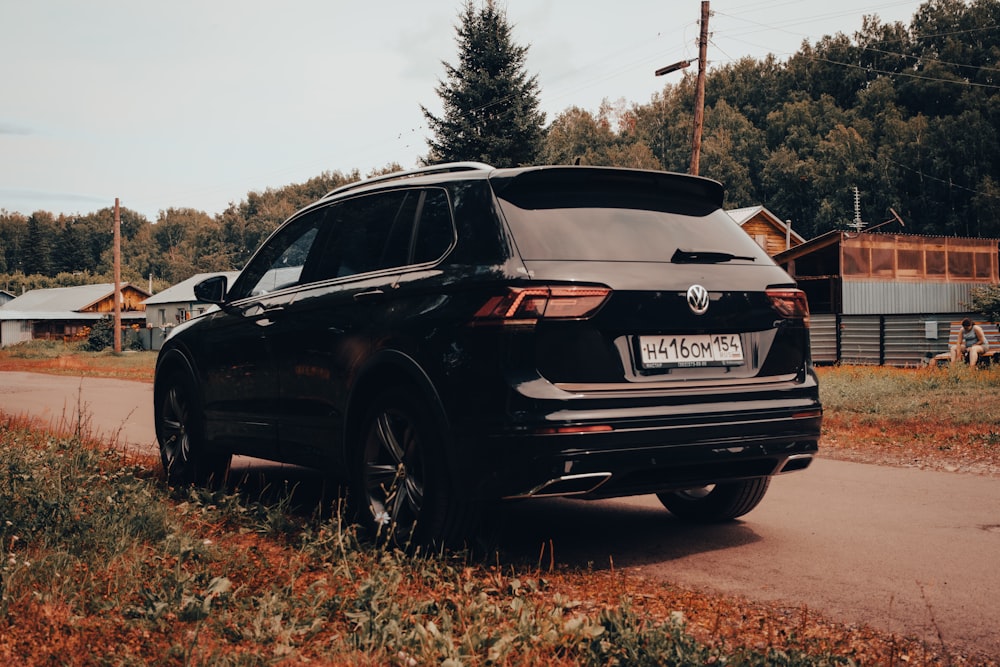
(490, 103)
(38, 245)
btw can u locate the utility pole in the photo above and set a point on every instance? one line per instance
(699, 102)
(118, 278)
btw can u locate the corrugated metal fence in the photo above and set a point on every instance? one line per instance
(890, 340)
(903, 298)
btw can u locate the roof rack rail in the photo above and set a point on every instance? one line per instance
(443, 168)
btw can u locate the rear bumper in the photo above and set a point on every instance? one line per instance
(648, 455)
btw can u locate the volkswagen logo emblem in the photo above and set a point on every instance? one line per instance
(697, 298)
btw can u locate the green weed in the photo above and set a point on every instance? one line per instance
(42, 349)
(952, 394)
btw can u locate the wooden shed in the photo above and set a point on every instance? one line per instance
(770, 233)
(888, 298)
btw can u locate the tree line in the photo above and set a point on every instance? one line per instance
(42, 250)
(908, 115)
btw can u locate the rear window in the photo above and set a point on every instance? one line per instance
(567, 224)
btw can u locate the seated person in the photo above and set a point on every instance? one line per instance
(971, 342)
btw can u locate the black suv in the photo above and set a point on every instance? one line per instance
(449, 336)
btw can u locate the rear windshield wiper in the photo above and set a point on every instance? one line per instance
(681, 256)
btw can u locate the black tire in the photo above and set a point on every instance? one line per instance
(179, 432)
(716, 502)
(402, 493)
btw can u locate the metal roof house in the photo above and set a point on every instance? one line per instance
(64, 312)
(879, 298)
(176, 304)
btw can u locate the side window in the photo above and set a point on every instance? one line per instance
(376, 232)
(369, 233)
(435, 233)
(279, 263)
(396, 249)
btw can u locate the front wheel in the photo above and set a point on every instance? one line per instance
(179, 422)
(716, 502)
(402, 492)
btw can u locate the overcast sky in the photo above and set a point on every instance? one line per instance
(195, 103)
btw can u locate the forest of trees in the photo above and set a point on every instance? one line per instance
(907, 114)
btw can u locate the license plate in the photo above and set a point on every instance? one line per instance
(687, 351)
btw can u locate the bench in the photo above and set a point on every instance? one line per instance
(992, 333)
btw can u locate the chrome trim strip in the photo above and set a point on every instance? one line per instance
(678, 384)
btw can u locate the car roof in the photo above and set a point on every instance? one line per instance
(446, 168)
(674, 183)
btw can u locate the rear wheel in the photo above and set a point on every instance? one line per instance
(716, 502)
(179, 422)
(402, 492)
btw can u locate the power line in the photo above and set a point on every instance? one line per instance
(949, 182)
(921, 58)
(914, 37)
(912, 75)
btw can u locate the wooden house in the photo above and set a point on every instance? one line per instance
(65, 312)
(770, 233)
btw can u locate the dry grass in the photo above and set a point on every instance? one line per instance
(61, 358)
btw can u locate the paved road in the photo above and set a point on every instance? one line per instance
(112, 409)
(909, 551)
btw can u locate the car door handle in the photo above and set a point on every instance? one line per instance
(259, 309)
(263, 318)
(369, 294)
(273, 310)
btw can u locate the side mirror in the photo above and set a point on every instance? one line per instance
(212, 290)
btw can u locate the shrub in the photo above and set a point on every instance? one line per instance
(986, 300)
(102, 335)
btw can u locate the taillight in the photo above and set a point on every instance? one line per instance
(527, 305)
(790, 304)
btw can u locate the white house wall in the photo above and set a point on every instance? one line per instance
(171, 310)
(13, 332)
